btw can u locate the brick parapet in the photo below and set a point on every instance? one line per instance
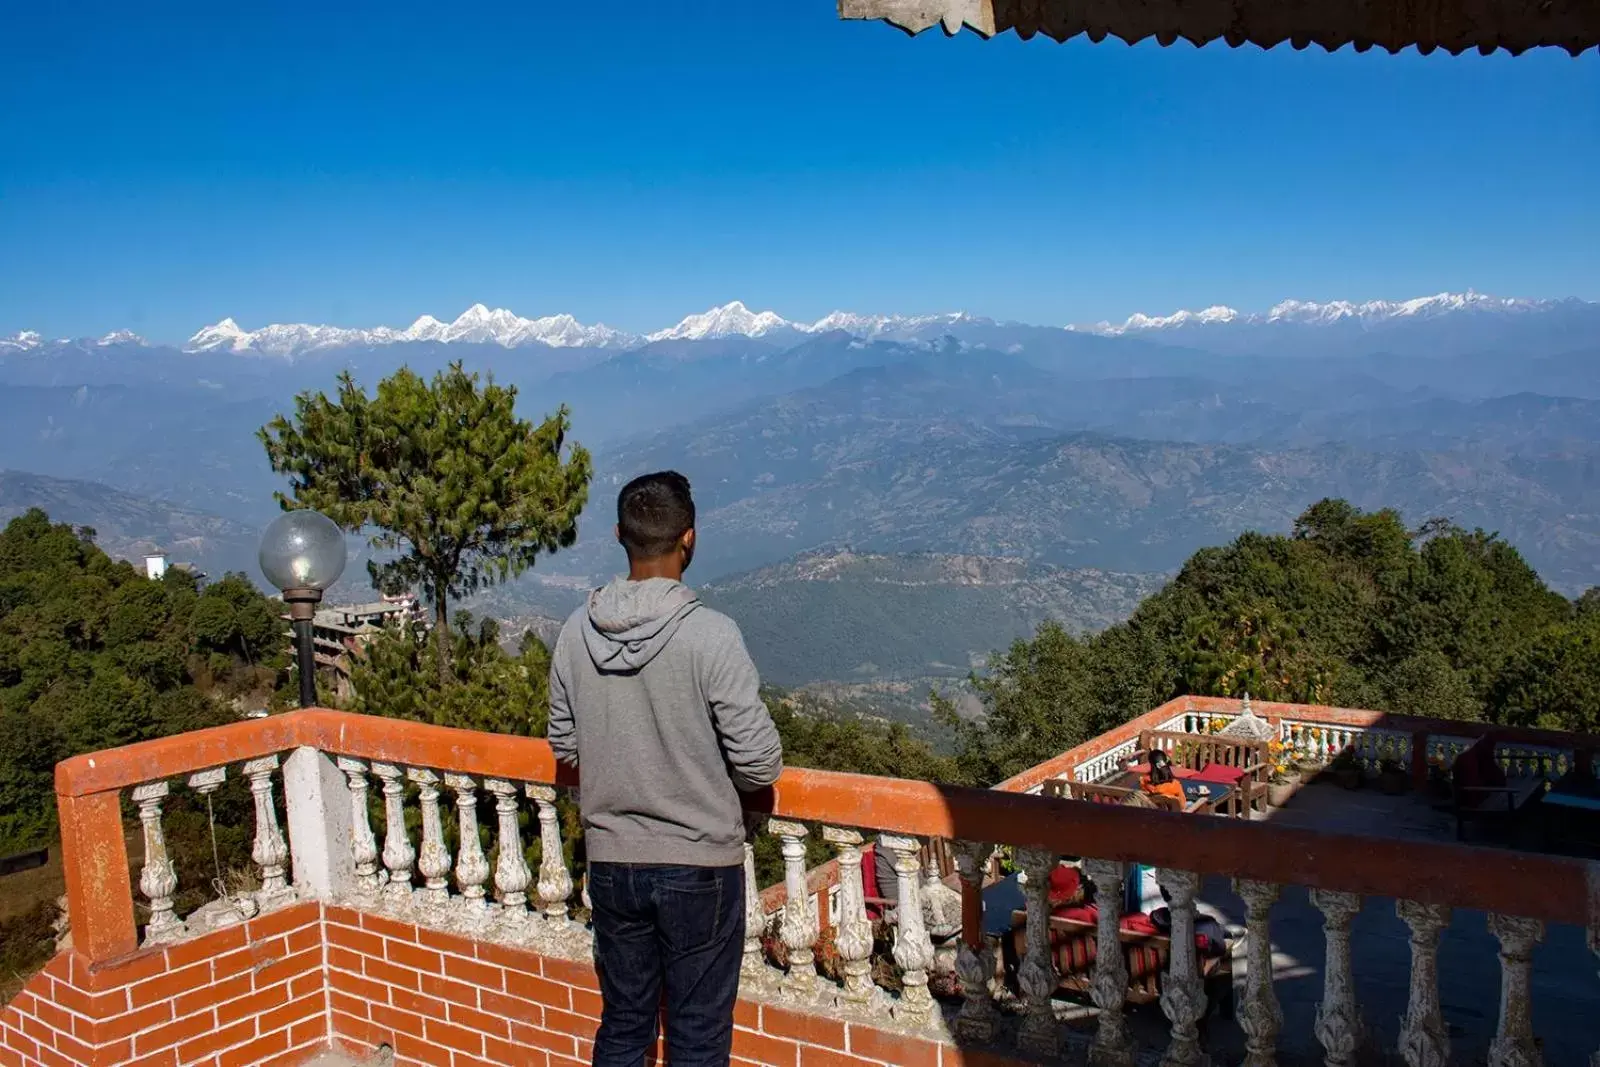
(286, 986)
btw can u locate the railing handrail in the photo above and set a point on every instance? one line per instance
(1552, 888)
(1316, 714)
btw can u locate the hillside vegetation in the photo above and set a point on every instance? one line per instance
(851, 616)
(1351, 608)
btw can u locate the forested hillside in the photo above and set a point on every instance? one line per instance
(1351, 608)
(93, 655)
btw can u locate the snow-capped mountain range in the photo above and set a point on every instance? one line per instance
(482, 325)
(1372, 312)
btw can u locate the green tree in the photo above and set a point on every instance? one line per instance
(488, 689)
(445, 472)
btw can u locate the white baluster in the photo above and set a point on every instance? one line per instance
(1424, 1039)
(853, 938)
(798, 926)
(363, 846)
(913, 948)
(158, 880)
(1183, 996)
(1338, 1025)
(433, 859)
(398, 855)
(941, 914)
(755, 977)
(1261, 1017)
(975, 966)
(511, 874)
(1513, 1044)
(555, 882)
(1113, 1044)
(271, 851)
(1037, 975)
(472, 868)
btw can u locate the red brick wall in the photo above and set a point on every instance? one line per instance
(252, 994)
(280, 989)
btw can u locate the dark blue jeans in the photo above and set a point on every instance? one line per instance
(675, 928)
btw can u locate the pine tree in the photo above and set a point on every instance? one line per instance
(444, 472)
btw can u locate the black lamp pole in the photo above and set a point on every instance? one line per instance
(302, 610)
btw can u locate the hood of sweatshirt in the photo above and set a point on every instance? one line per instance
(631, 622)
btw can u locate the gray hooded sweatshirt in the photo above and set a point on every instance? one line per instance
(656, 702)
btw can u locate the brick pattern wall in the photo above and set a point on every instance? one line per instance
(251, 994)
(284, 987)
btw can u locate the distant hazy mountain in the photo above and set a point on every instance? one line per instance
(129, 527)
(846, 616)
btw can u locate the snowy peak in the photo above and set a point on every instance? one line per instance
(1371, 313)
(21, 341)
(729, 320)
(477, 325)
(121, 337)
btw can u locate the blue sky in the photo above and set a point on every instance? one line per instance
(164, 166)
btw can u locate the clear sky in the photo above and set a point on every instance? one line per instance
(163, 166)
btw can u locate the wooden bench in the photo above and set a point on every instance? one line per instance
(1245, 765)
(1108, 794)
(1146, 957)
(1479, 791)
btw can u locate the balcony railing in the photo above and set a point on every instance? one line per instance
(333, 769)
(1322, 733)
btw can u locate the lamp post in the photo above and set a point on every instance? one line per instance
(303, 553)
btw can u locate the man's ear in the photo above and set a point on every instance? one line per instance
(688, 540)
(617, 530)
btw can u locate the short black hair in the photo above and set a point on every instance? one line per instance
(653, 513)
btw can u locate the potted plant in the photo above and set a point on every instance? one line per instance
(1347, 769)
(1392, 777)
(1281, 775)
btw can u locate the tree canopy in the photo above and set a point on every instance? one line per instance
(1351, 608)
(446, 474)
(93, 654)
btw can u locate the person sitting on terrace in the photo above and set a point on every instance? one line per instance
(1161, 780)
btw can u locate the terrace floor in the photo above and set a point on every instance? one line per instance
(1566, 986)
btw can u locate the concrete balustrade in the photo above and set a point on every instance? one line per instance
(411, 923)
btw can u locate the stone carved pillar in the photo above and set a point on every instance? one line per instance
(363, 846)
(913, 948)
(555, 881)
(1037, 975)
(1183, 997)
(941, 914)
(798, 926)
(978, 1018)
(398, 855)
(1261, 1017)
(1424, 1039)
(1338, 1025)
(271, 851)
(755, 977)
(854, 937)
(1113, 1044)
(511, 874)
(472, 868)
(157, 881)
(433, 859)
(1513, 1044)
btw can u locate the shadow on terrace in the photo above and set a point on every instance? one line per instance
(415, 898)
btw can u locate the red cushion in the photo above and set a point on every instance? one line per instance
(1139, 923)
(869, 873)
(1079, 913)
(1220, 774)
(1064, 884)
(1184, 772)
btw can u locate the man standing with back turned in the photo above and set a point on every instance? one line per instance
(656, 702)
